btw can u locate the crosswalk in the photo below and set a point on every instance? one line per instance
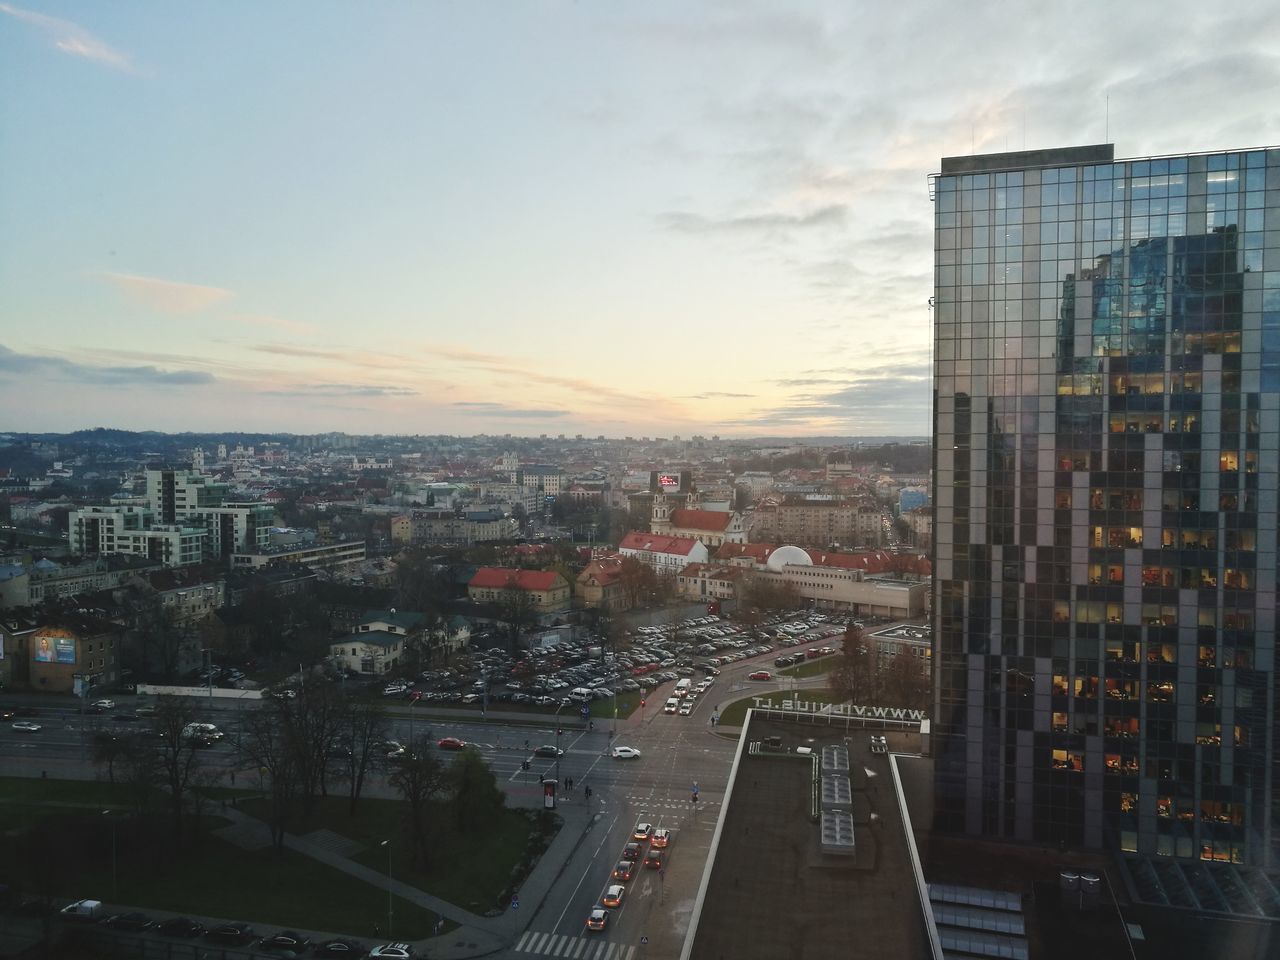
(573, 948)
(651, 803)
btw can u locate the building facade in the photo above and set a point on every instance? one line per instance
(1107, 413)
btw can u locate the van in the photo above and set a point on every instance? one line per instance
(201, 731)
(672, 705)
(682, 686)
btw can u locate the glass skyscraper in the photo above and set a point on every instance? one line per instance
(1106, 415)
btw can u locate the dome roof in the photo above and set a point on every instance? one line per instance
(787, 555)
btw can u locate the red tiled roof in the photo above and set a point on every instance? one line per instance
(652, 543)
(759, 552)
(502, 578)
(717, 520)
(606, 571)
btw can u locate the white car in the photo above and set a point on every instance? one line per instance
(686, 708)
(103, 704)
(626, 753)
(27, 726)
(393, 951)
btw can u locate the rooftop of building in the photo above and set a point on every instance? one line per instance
(863, 905)
(503, 578)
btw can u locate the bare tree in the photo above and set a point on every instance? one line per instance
(140, 772)
(178, 753)
(269, 745)
(362, 729)
(517, 611)
(419, 778)
(904, 683)
(109, 749)
(854, 676)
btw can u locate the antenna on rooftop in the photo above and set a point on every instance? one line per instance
(1106, 130)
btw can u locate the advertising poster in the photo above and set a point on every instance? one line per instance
(54, 650)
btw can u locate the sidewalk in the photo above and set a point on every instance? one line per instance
(476, 936)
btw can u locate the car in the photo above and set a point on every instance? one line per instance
(661, 838)
(642, 831)
(103, 704)
(146, 710)
(451, 743)
(180, 927)
(392, 951)
(340, 947)
(686, 708)
(624, 870)
(26, 726)
(130, 921)
(632, 851)
(597, 919)
(654, 859)
(548, 750)
(126, 718)
(760, 675)
(625, 753)
(236, 934)
(613, 896)
(287, 940)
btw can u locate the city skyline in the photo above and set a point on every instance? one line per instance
(552, 219)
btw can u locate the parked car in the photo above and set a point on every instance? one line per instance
(236, 934)
(288, 940)
(392, 951)
(82, 911)
(130, 921)
(180, 927)
(340, 947)
(760, 675)
(26, 726)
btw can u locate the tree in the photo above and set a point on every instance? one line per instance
(419, 778)
(474, 793)
(517, 610)
(159, 634)
(767, 593)
(110, 749)
(904, 683)
(178, 755)
(638, 581)
(854, 677)
(363, 727)
(270, 746)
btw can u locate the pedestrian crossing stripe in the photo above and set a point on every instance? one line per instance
(573, 948)
(672, 804)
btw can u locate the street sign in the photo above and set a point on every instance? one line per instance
(585, 713)
(515, 902)
(644, 941)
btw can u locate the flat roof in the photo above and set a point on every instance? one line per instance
(772, 893)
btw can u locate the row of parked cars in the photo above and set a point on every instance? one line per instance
(286, 942)
(634, 855)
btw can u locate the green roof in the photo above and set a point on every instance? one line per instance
(404, 619)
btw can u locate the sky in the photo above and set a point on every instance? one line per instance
(599, 217)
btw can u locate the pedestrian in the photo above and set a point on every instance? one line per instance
(586, 793)
(233, 778)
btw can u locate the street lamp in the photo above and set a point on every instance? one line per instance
(115, 887)
(557, 723)
(387, 844)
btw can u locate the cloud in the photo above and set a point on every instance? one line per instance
(279, 323)
(716, 394)
(340, 390)
(166, 296)
(480, 408)
(71, 38)
(684, 222)
(31, 365)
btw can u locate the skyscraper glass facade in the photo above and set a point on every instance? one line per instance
(1107, 412)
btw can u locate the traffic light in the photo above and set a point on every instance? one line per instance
(642, 701)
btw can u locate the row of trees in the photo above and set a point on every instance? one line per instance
(862, 676)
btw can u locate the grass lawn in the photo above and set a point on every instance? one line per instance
(810, 668)
(735, 714)
(283, 889)
(471, 871)
(628, 703)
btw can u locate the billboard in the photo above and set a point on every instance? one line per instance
(54, 650)
(670, 481)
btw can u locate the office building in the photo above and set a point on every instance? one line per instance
(1107, 412)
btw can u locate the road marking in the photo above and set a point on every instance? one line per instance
(524, 938)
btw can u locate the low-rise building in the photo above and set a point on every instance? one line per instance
(548, 590)
(319, 556)
(667, 556)
(710, 527)
(709, 581)
(599, 586)
(68, 653)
